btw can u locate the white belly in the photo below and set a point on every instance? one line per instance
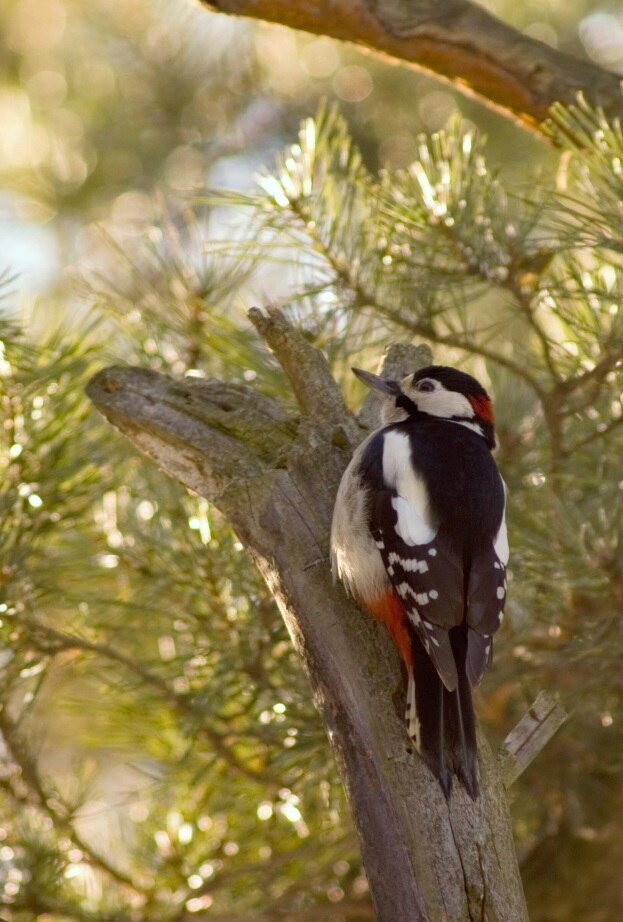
(355, 556)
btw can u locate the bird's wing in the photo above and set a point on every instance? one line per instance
(486, 595)
(425, 571)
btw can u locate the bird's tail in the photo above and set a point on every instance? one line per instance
(441, 723)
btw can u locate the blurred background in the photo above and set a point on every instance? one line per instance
(160, 756)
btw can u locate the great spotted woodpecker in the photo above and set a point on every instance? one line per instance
(419, 539)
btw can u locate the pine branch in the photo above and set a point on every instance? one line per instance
(594, 436)
(52, 804)
(182, 704)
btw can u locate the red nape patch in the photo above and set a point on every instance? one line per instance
(388, 608)
(483, 408)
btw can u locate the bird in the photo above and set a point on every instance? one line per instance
(419, 539)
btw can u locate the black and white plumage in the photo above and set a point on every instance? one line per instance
(419, 539)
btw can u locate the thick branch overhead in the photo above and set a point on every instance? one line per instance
(456, 41)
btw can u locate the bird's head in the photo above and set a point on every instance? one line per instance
(439, 391)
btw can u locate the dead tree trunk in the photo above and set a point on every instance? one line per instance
(274, 475)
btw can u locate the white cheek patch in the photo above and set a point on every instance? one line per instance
(443, 403)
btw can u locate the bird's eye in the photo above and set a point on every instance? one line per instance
(425, 386)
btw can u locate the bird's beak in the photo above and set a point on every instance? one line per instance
(376, 382)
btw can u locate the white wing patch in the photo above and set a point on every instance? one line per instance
(411, 527)
(399, 474)
(411, 504)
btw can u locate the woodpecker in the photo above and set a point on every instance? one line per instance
(419, 539)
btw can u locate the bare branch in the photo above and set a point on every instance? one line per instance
(593, 436)
(458, 42)
(307, 369)
(206, 434)
(530, 736)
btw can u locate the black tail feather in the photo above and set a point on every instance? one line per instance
(446, 731)
(460, 730)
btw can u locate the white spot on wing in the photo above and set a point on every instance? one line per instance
(500, 592)
(433, 594)
(409, 564)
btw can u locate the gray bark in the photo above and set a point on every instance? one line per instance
(274, 475)
(528, 738)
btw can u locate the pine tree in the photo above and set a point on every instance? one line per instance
(144, 655)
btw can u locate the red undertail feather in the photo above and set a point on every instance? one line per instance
(388, 608)
(440, 723)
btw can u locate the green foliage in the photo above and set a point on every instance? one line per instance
(155, 723)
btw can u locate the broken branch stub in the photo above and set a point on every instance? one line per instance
(530, 736)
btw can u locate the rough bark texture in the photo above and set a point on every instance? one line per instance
(456, 41)
(275, 476)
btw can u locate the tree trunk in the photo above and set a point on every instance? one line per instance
(275, 475)
(456, 41)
